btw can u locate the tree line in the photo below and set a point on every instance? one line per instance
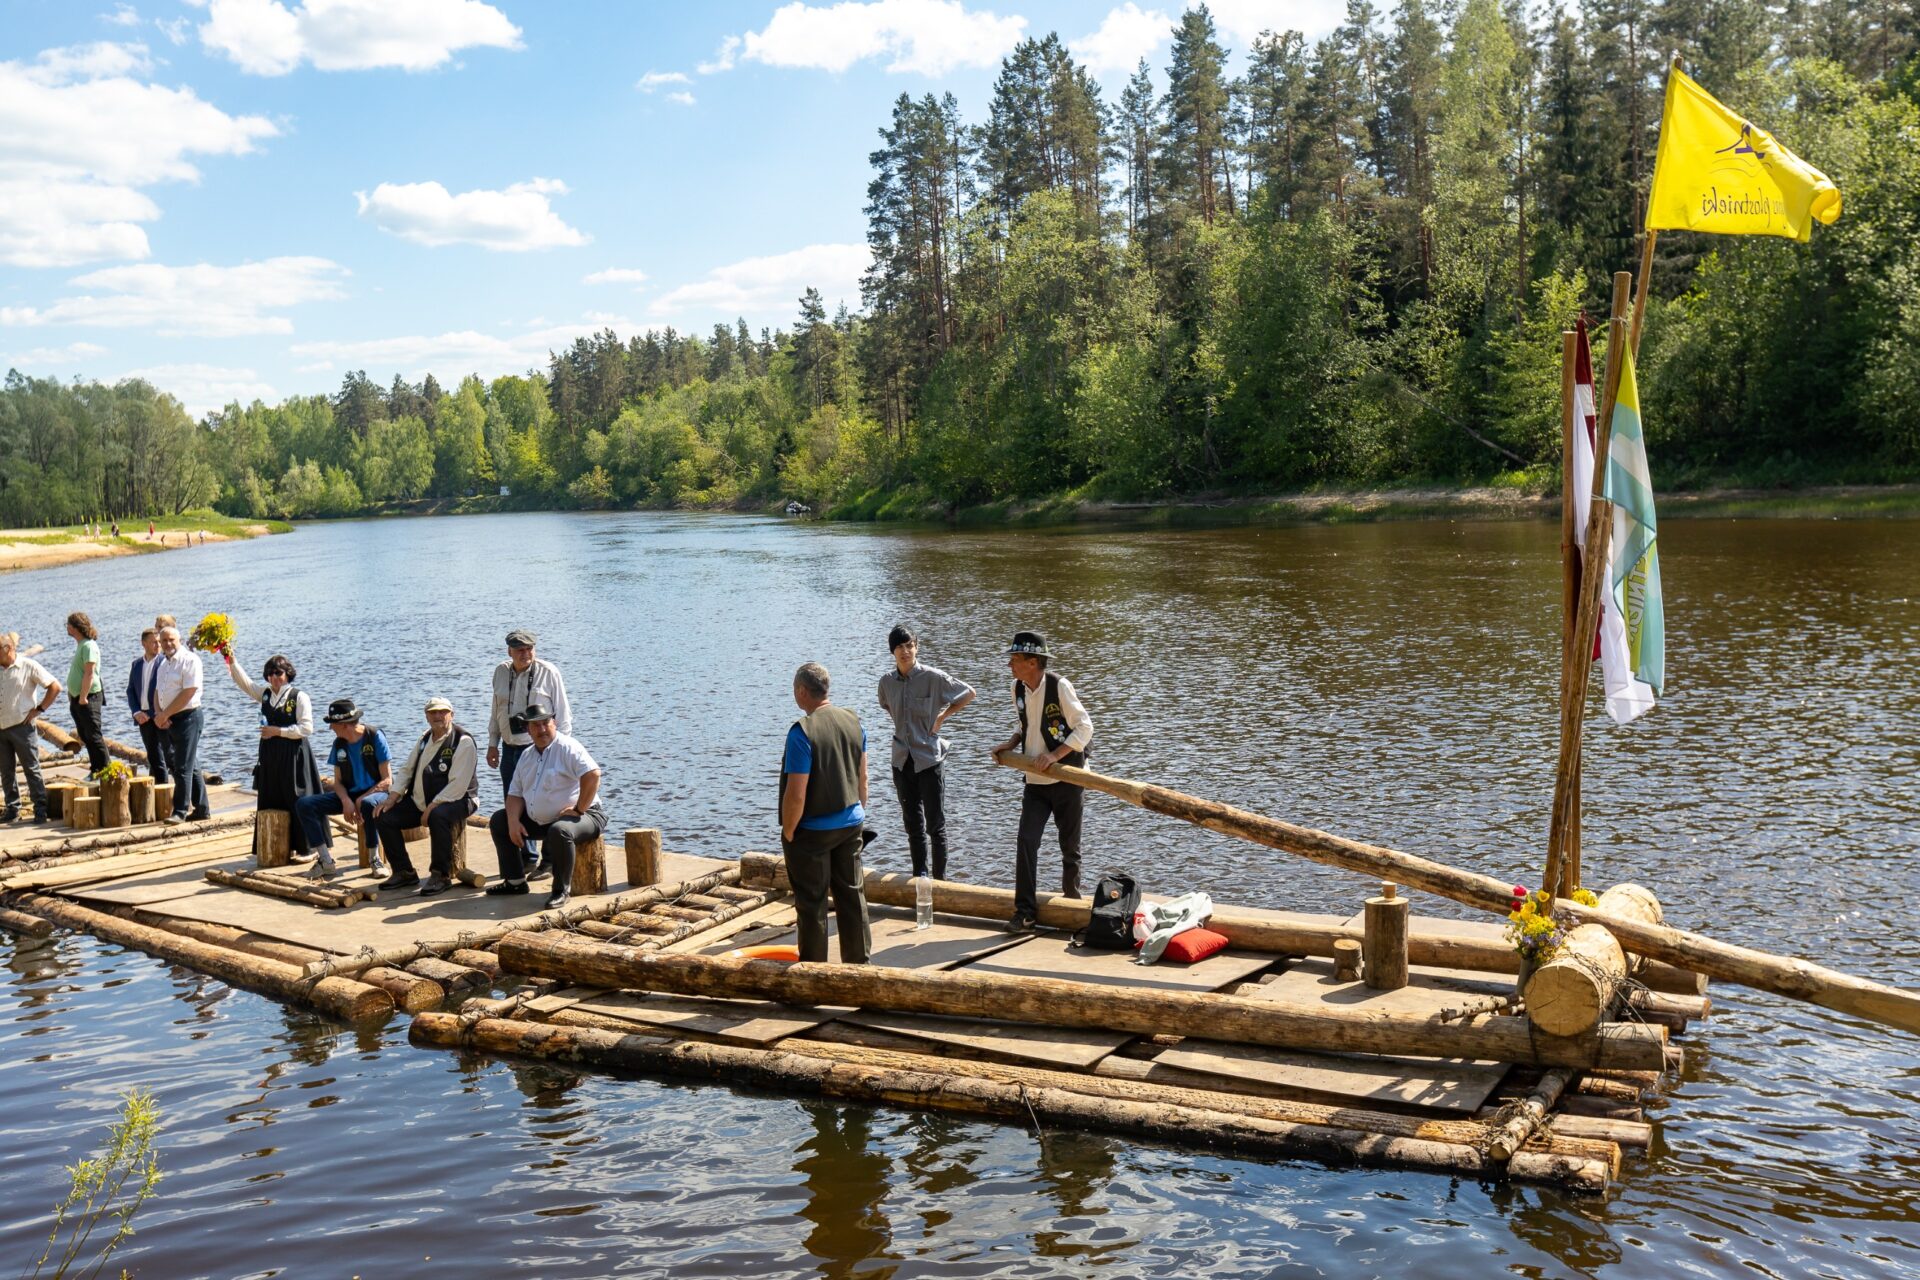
(1348, 264)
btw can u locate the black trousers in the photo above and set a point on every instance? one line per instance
(1063, 802)
(86, 723)
(823, 863)
(448, 816)
(155, 742)
(923, 808)
(556, 839)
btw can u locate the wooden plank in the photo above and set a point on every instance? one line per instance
(1428, 991)
(1445, 1085)
(752, 1022)
(1047, 1046)
(1051, 957)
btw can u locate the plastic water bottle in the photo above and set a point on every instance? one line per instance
(922, 902)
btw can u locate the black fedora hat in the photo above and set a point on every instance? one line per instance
(342, 711)
(536, 712)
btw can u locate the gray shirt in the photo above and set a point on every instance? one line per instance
(915, 701)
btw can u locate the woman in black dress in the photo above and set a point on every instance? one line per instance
(286, 770)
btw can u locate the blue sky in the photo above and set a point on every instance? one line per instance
(247, 198)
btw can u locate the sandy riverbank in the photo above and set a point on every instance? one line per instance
(24, 549)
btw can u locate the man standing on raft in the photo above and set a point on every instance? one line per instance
(823, 804)
(1051, 726)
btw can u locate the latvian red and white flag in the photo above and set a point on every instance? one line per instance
(1628, 697)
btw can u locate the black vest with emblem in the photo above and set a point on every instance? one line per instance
(834, 783)
(1054, 728)
(369, 760)
(437, 762)
(284, 716)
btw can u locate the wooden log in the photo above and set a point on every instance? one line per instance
(1587, 1104)
(57, 855)
(674, 912)
(140, 800)
(67, 742)
(455, 977)
(1686, 1008)
(589, 867)
(712, 927)
(865, 1084)
(273, 837)
(1346, 960)
(602, 929)
(347, 1000)
(410, 993)
(221, 935)
(1384, 944)
(115, 803)
(1574, 989)
(644, 922)
(21, 923)
(479, 961)
(309, 892)
(85, 812)
(162, 800)
(1800, 979)
(1512, 1133)
(60, 799)
(124, 841)
(1598, 1086)
(363, 846)
(1627, 1133)
(462, 873)
(1050, 1002)
(643, 856)
(488, 935)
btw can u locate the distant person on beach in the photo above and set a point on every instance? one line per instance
(21, 680)
(553, 797)
(177, 692)
(823, 804)
(141, 678)
(920, 699)
(284, 772)
(362, 765)
(84, 690)
(437, 788)
(1051, 726)
(149, 531)
(524, 678)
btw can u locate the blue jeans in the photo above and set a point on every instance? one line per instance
(183, 762)
(311, 813)
(509, 761)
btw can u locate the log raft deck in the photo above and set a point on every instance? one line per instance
(1268, 1048)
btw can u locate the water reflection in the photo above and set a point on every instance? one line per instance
(846, 1183)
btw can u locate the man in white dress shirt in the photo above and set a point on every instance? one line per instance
(553, 798)
(176, 694)
(21, 699)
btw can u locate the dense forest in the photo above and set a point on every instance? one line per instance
(1347, 265)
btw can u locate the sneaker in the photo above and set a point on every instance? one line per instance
(378, 869)
(10, 814)
(1023, 924)
(323, 869)
(397, 881)
(506, 886)
(434, 884)
(560, 898)
(300, 855)
(538, 869)
(173, 819)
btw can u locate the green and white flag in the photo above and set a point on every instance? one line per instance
(1635, 662)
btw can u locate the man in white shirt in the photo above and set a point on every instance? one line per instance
(176, 694)
(1051, 726)
(21, 679)
(436, 789)
(552, 797)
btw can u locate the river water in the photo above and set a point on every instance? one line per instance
(1392, 682)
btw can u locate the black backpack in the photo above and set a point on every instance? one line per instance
(1110, 924)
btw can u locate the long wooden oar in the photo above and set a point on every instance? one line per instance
(1894, 1006)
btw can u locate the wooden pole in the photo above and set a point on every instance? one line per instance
(116, 808)
(643, 856)
(140, 800)
(1829, 988)
(1570, 422)
(273, 837)
(1385, 941)
(1054, 1003)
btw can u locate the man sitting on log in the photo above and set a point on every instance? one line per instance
(436, 789)
(21, 679)
(362, 775)
(823, 804)
(553, 798)
(1050, 727)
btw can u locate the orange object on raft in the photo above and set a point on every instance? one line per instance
(790, 955)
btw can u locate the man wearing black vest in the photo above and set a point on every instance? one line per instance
(362, 767)
(1051, 726)
(436, 788)
(823, 804)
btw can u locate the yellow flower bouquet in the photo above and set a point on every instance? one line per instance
(212, 633)
(1531, 925)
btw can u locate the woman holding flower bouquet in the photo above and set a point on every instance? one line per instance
(285, 770)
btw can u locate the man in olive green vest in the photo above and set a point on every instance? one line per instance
(823, 805)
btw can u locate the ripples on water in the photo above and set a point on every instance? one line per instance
(1389, 682)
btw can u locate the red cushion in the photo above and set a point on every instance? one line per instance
(1194, 944)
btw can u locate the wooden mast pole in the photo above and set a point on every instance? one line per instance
(1569, 579)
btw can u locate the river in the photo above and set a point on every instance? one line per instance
(1390, 682)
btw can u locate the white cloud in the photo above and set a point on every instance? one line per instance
(930, 37)
(514, 220)
(684, 99)
(617, 275)
(767, 288)
(123, 15)
(654, 79)
(267, 38)
(79, 137)
(723, 58)
(1240, 21)
(200, 300)
(175, 30)
(1126, 35)
(206, 388)
(452, 355)
(54, 360)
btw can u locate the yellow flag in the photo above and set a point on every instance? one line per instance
(1717, 171)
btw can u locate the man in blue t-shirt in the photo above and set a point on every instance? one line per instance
(362, 774)
(823, 799)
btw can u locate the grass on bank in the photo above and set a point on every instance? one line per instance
(133, 530)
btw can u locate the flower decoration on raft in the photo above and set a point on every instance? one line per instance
(115, 771)
(1531, 925)
(212, 633)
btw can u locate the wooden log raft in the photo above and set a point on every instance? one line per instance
(1248, 932)
(455, 977)
(291, 888)
(1801, 979)
(490, 934)
(1180, 1125)
(1571, 992)
(1528, 1114)
(347, 1000)
(1050, 1002)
